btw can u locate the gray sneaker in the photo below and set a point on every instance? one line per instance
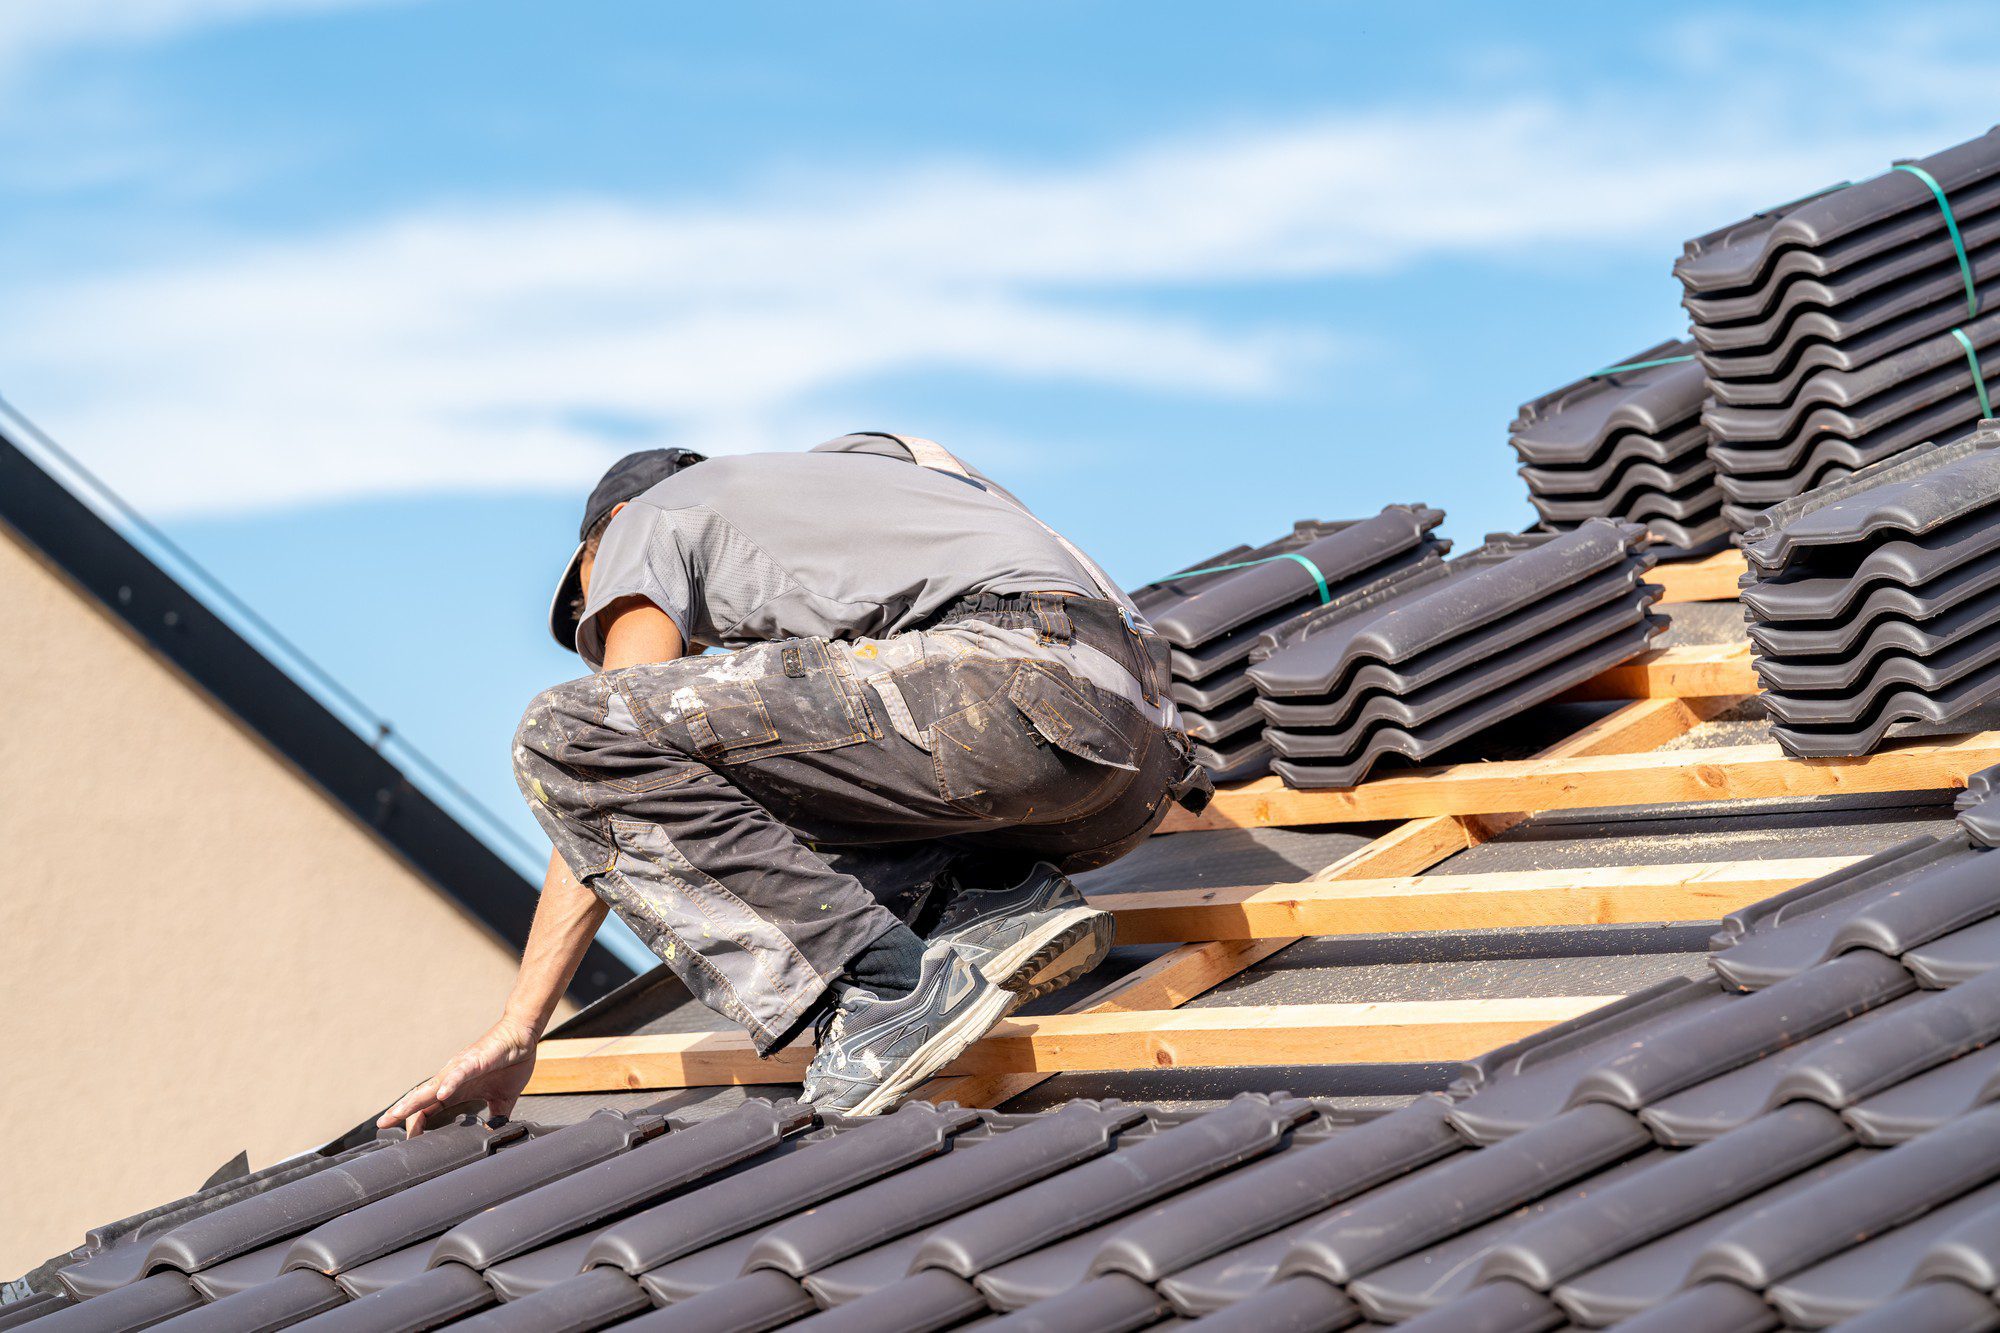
(1030, 938)
(874, 1052)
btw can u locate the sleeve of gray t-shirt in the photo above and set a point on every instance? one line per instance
(638, 556)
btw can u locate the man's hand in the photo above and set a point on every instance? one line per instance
(495, 1068)
(492, 1070)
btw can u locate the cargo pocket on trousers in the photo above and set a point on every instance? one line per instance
(1036, 752)
(770, 699)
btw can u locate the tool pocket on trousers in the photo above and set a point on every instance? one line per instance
(765, 700)
(1037, 751)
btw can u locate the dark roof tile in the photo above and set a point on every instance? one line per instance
(1532, 1080)
(927, 1299)
(1674, 1192)
(244, 1271)
(1233, 1275)
(591, 1299)
(277, 1303)
(1893, 1187)
(1493, 1307)
(1746, 1028)
(1649, 1276)
(1462, 1192)
(1298, 1302)
(386, 1271)
(760, 1299)
(409, 1215)
(1926, 1101)
(1969, 1252)
(1855, 1281)
(597, 1193)
(1247, 1128)
(1929, 1307)
(139, 1304)
(1979, 807)
(1787, 934)
(1107, 1304)
(1442, 1275)
(1712, 1307)
(303, 1204)
(435, 1297)
(909, 1135)
(1261, 1199)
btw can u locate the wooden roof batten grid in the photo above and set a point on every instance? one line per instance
(1136, 1022)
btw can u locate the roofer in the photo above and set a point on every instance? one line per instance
(860, 817)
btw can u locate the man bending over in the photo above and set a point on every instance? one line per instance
(860, 816)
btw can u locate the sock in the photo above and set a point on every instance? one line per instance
(890, 965)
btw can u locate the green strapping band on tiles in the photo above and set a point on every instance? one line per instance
(1978, 376)
(1325, 593)
(1638, 365)
(1951, 228)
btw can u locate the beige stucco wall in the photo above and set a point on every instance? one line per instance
(198, 953)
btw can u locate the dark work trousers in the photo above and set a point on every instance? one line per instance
(760, 817)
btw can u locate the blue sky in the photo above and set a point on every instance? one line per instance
(357, 297)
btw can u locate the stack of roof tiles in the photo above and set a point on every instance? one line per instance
(1215, 621)
(1627, 443)
(1805, 1135)
(1454, 650)
(1874, 602)
(1826, 326)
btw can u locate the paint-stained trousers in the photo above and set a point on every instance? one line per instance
(760, 817)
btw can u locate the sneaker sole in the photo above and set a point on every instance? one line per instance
(1045, 960)
(939, 1051)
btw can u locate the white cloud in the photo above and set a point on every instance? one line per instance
(35, 28)
(473, 347)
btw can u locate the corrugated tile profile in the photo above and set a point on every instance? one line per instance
(1874, 601)
(1826, 326)
(1628, 445)
(1217, 622)
(1805, 1136)
(1439, 660)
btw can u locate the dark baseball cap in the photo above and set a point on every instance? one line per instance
(632, 475)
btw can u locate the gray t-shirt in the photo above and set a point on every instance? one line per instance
(849, 541)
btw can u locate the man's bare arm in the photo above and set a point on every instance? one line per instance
(637, 632)
(495, 1068)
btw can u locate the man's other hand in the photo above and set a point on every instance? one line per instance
(492, 1070)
